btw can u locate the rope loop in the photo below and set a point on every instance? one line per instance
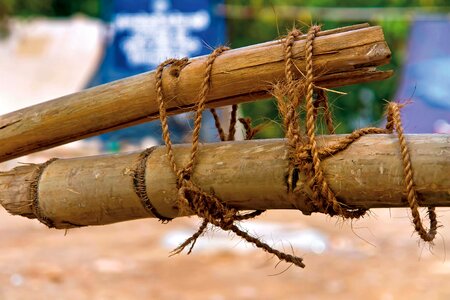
(305, 155)
(190, 197)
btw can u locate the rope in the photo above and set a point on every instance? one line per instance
(140, 187)
(33, 193)
(395, 122)
(305, 154)
(190, 196)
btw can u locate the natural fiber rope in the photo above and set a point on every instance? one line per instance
(395, 122)
(140, 187)
(33, 193)
(306, 156)
(218, 125)
(322, 194)
(191, 197)
(231, 136)
(231, 127)
(233, 121)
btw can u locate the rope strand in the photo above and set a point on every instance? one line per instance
(395, 122)
(191, 197)
(305, 155)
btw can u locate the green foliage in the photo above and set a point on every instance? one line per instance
(53, 8)
(341, 3)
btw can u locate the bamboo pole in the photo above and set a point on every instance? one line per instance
(247, 175)
(342, 56)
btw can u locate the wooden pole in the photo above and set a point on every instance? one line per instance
(342, 56)
(246, 175)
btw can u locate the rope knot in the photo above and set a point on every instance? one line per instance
(227, 219)
(183, 176)
(304, 156)
(178, 65)
(295, 32)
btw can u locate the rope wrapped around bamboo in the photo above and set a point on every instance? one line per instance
(214, 211)
(305, 157)
(323, 199)
(344, 56)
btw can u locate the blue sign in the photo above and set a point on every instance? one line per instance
(144, 33)
(426, 79)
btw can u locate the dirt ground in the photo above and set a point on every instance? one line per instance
(375, 258)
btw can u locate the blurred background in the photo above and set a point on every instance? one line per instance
(50, 48)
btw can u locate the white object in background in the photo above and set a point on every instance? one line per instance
(280, 235)
(43, 59)
(441, 126)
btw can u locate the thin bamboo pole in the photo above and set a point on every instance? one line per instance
(247, 175)
(342, 56)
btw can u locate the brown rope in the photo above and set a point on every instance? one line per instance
(231, 136)
(191, 197)
(291, 117)
(140, 187)
(317, 182)
(33, 193)
(395, 122)
(201, 106)
(233, 121)
(218, 125)
(305, 154)
(250, 131)
(231, 126)
(322, 101)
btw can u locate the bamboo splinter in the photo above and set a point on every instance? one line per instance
(342, 56)
(246, 175)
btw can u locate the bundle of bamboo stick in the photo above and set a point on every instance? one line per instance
(245, 175)
(342, 56)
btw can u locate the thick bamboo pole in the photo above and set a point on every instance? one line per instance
(246, 175)
(341, 56)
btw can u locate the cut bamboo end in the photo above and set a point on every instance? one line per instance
(342, 56)
(246, 175)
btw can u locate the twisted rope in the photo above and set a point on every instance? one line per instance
(306, 156)
(190, 196)
(33, 193)
(395, 122)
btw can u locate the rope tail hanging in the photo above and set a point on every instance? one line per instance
(191, 197)
(305, 156)
(394, 121)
